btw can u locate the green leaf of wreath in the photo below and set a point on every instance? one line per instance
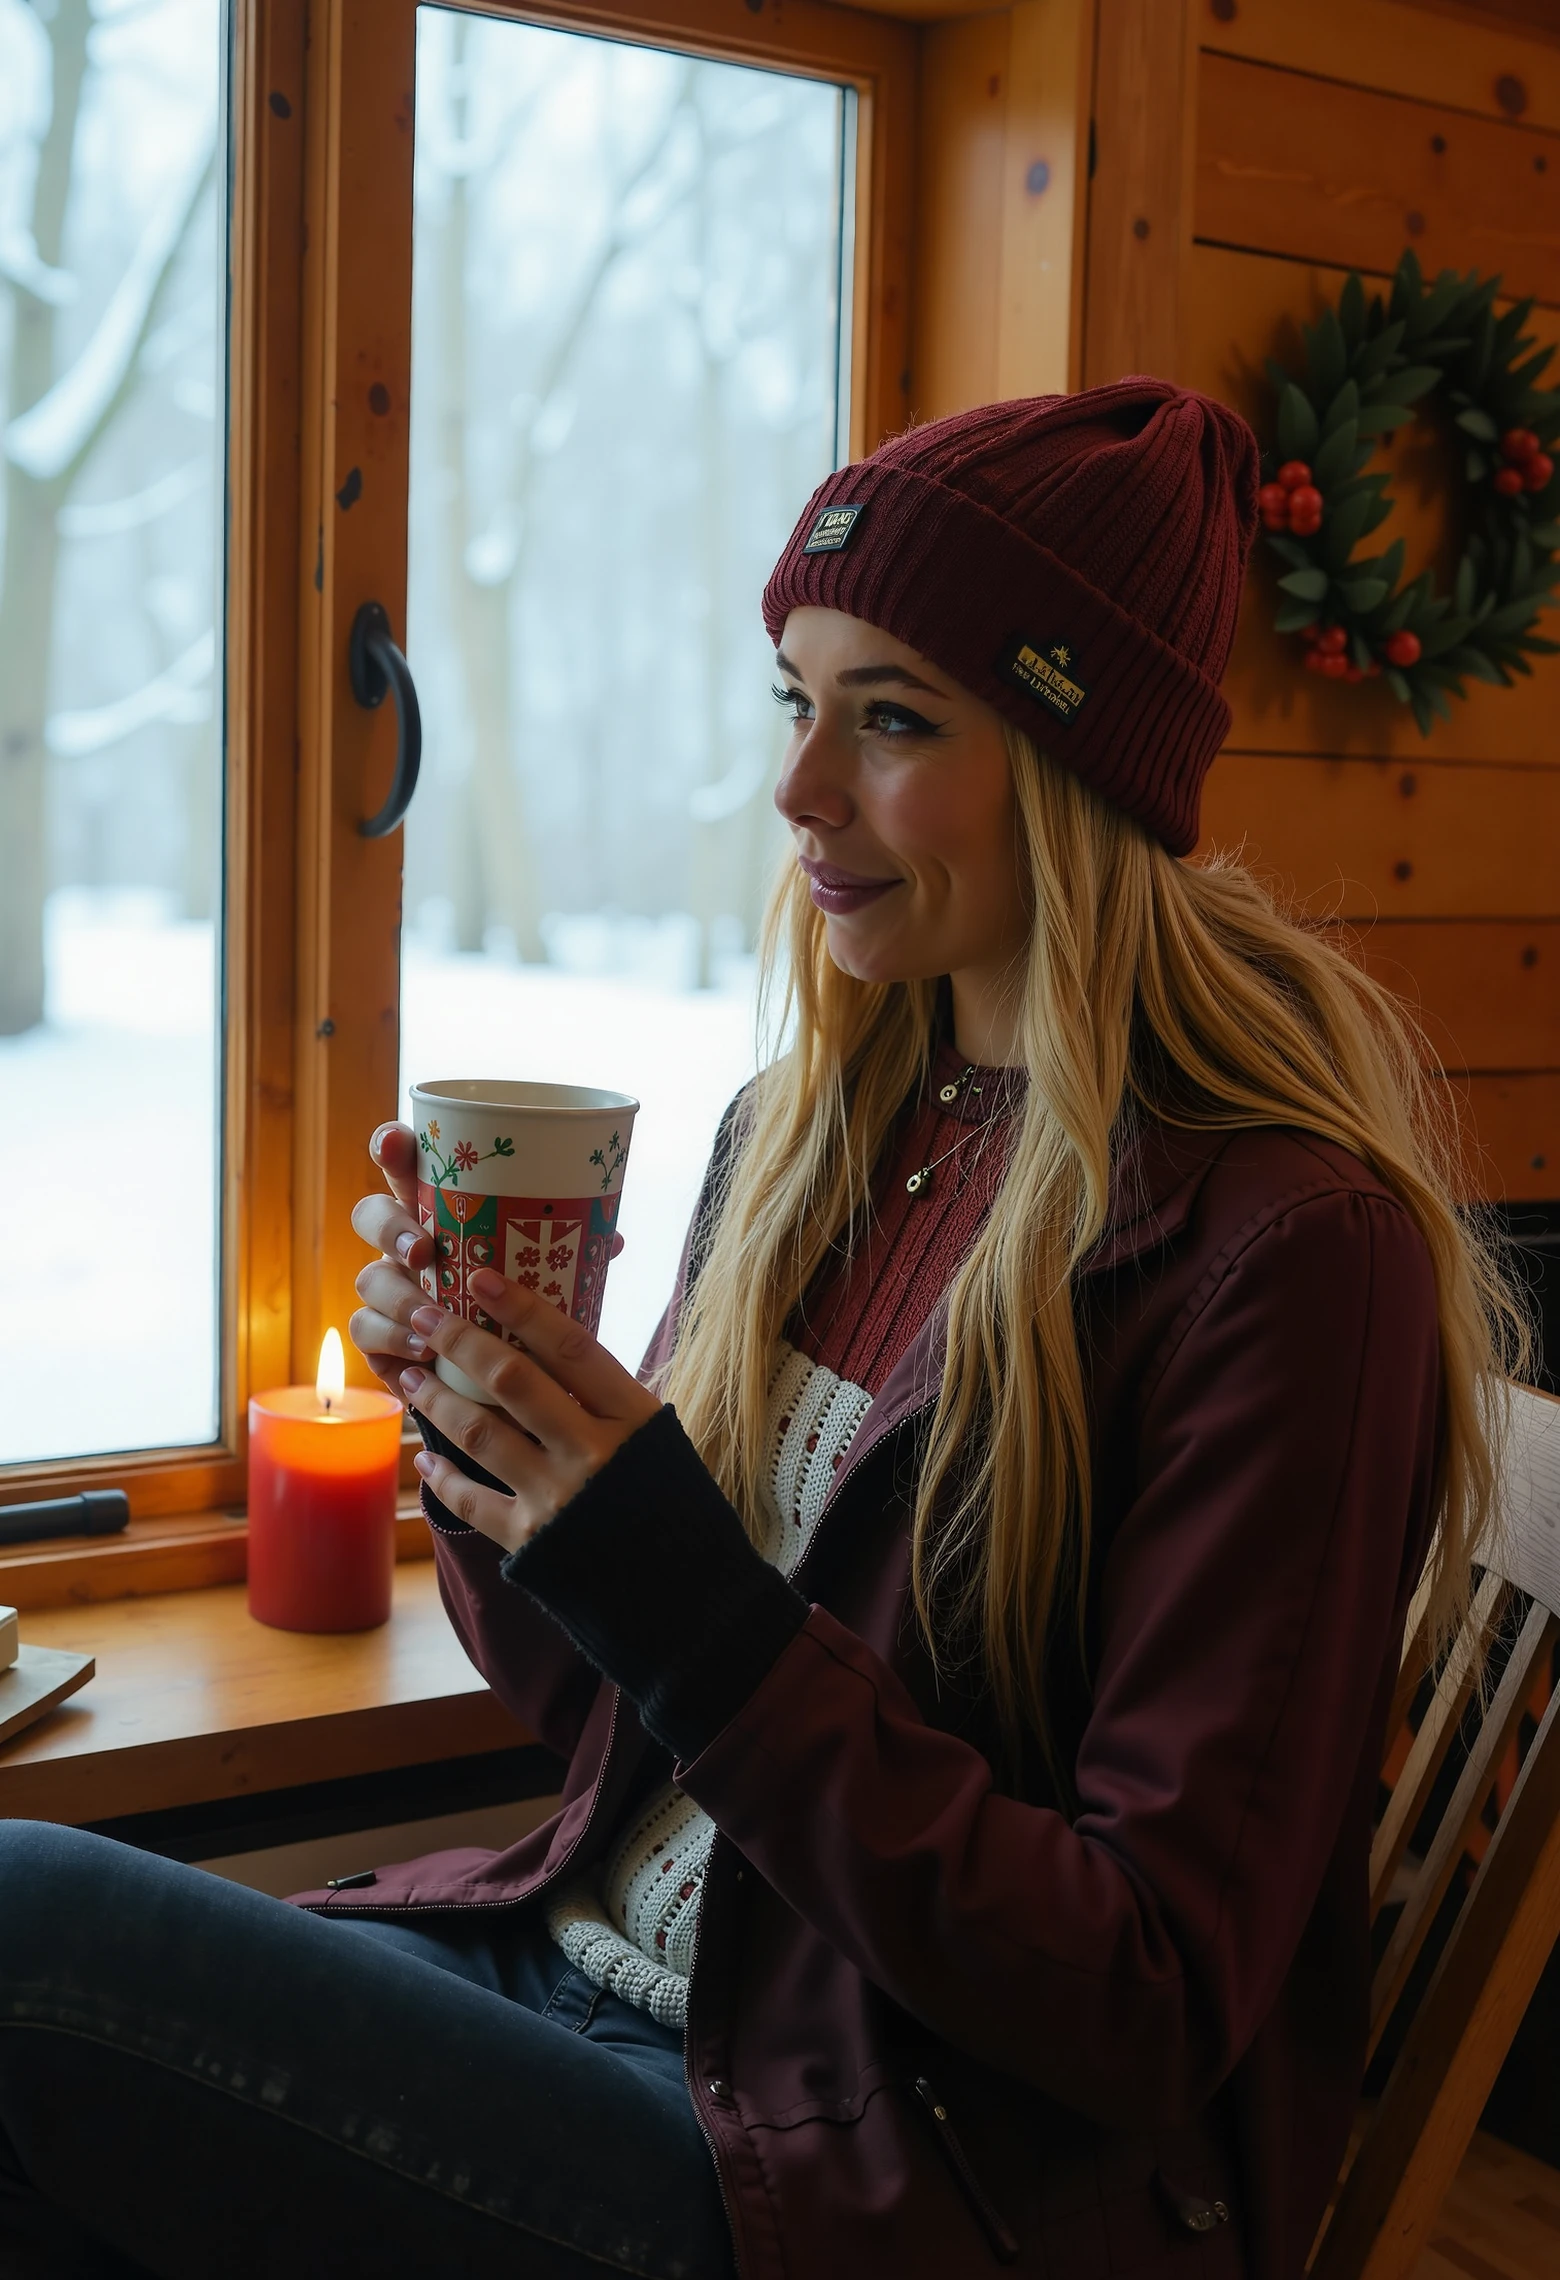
(1326, 355)
(1335, 457)
(1351, 309)
(1297, 425)
(1364, 594)
(1306, 585)
(1346, 525)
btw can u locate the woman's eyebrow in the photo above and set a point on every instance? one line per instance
(859, 676)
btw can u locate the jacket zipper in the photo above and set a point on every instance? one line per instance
(706, 2133)
(1004, 2243)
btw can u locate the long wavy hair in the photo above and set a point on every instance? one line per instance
(1150, 986)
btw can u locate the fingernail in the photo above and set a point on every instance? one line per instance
(423, 1463)
(482, 1282)
(412, 1382)
(427, 1319)
(405, 1245)
(416, 1345)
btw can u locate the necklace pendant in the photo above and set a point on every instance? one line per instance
(919, 1182)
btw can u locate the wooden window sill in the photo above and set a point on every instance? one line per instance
(194, 1701)
(174, 1552)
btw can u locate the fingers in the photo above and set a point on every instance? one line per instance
(523, 1391)
(380, 1220)
(392, 1289)
(540, 1480)
(504, 1518)
(565, 1350)
(394, 1149)
(384, 1324)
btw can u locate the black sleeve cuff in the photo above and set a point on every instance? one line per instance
(439, 1515)
(651, 1573)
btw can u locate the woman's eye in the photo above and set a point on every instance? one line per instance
(890, 720)
(796, 704)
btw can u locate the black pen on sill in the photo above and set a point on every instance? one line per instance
(97, 1512)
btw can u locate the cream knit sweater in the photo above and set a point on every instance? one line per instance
(630, 1927)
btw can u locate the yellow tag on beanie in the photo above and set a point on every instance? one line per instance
(1047, 675)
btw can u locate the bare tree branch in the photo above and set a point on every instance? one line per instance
(54, 436)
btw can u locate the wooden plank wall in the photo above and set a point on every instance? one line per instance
(1002, 180)
(1306, 140)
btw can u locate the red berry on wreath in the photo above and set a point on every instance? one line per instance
(1402, 647)
(1332, 640)
(1334, 666)
(1518, 444)
(1305, 501)
(1293, 474)
(1315, 659)
(1537, 471)
(1272, 499)
(1508, 482)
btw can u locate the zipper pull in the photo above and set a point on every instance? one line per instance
(1004, 2242)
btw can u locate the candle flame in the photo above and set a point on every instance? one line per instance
(330, 1381)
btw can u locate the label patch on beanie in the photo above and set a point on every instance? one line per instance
(1047, 674)
(831, 528)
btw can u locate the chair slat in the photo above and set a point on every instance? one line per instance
(1431, 1743)
(1501, 1720)
(1526, 1546)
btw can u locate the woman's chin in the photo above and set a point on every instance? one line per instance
(868, 958)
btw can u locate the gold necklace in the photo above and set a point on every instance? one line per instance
(918, 1182)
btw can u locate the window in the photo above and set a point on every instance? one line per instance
(112, 385)
(244, 230)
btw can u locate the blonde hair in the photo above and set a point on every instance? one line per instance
(1150, 985)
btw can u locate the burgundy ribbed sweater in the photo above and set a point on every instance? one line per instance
(862, 1315)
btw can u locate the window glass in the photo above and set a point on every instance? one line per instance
(111, 447)
(627, 367)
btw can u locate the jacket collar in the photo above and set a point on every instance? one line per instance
(1154, 1186)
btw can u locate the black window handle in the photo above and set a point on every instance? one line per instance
(376, 664)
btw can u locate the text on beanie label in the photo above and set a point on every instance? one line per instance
(1045, 676)
(832, 526)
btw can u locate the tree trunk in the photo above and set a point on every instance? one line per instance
(27, 572)
(496, 879)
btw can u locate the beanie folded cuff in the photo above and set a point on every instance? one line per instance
(1092, 686)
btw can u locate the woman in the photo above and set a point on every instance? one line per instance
(971, 1640)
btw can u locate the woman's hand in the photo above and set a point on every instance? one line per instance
(382, 1329)
(566, 1406)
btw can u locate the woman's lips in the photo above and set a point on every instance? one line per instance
(839, 892)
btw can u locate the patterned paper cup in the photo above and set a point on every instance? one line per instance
(524, 1178)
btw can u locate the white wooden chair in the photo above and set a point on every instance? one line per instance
(1414, 2139)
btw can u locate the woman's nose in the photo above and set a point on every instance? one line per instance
(811, 789)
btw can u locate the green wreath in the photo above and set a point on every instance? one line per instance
(1368, 364)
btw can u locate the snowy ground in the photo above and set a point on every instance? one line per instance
(108, 1335)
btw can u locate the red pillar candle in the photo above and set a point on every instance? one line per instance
(323, 1466)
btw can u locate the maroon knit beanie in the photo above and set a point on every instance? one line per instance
(1074, 560)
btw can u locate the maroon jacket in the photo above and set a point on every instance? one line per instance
(934, 2027)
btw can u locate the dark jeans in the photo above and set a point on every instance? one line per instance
(198, 2080)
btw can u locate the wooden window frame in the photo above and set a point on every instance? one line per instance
(320, 112)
